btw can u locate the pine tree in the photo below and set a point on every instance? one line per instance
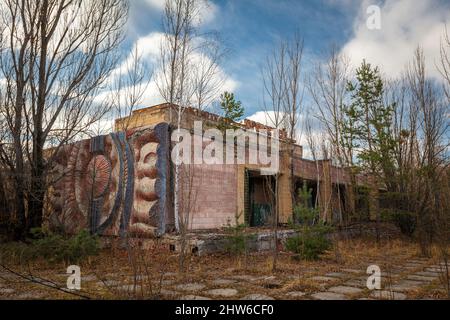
(311, 239)
(369, 121)
(367, 128)
(232, 110)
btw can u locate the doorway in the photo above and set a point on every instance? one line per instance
(259, 198)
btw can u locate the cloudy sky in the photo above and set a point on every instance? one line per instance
(251, 29)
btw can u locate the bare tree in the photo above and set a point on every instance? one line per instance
(129, 84)
(191, 177)
(444, 64)
(188, 75)
(175, 58)
(444, 205)
(274, 78)
(274, 81)
(293, 99)
(430, 125)
(55, 57)
(313, 143)
(189, 72)
(327, 88)
(207, 77)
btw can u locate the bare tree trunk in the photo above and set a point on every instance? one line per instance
(432, 159)
(48, 99)
(327, 87)
(274, 75)
(183, 82)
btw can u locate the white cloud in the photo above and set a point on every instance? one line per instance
(148, 47)
(157, 4)
(265, 117)
(207, 11)
(405, 24)
(317, 133)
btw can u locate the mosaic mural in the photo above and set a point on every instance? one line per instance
(114, 184)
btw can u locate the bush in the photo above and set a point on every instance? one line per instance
(311, 240)
(237, 240)
(406, 222)
(57, 248)
(310, 243)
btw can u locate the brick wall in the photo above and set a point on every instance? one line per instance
(219, 189)
(213, 195)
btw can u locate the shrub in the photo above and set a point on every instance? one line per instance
(311, 240)
(237, 240)
(55, 247)
(310, 243)
(406, 222)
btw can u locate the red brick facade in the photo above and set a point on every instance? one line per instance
(213, 195)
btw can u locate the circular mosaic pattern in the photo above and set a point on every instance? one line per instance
(98, 175)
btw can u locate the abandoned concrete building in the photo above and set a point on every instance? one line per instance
(123, 183)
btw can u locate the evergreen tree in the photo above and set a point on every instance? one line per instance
(232, 110)
(369, 122)
(311, 239)
(367, 129)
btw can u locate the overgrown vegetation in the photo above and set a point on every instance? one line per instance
(311, 240)
(237, 241)
(405, 221)
(54, 247)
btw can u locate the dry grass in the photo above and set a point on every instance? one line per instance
(158, 273)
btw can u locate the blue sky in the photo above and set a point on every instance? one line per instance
(252, 28)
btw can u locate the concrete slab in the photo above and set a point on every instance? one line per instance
(428, 274)
(324, 279)
(194, 297)
(228, 292)
(257, 296)
(108, 283)
(30, 296)
(190, 287)
(295, 294)
(157, 283)
(359, 283)
(345, 290)
(6, 291)
(406, 285)
(221, 282)
(328, 296)
(421, 278)
(245, 277)
(89, 278)
(413, 265)
(169, 293)
(387, 295)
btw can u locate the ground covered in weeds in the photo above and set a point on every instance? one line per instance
(153, 273)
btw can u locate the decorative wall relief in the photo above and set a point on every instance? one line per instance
(114, 185)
